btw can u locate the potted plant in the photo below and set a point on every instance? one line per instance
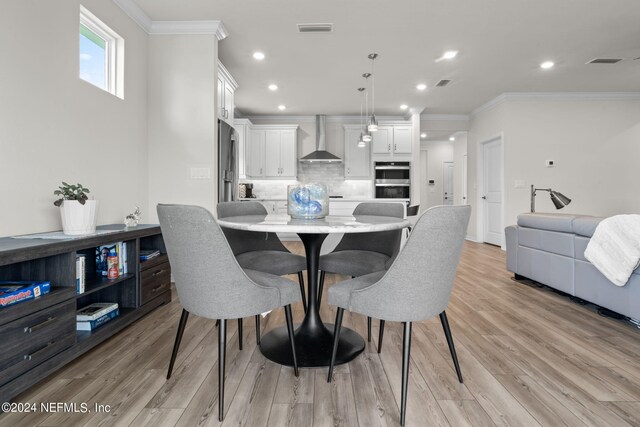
(77, 212)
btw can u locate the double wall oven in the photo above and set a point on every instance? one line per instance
(393, 180)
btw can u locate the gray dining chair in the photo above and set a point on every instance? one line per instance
(210, 282)
(260, 251)
(416, 286)
(358, 254)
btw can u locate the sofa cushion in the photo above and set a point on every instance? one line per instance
(586, 225)
(547, 221)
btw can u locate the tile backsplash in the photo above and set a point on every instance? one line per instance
(330, 174)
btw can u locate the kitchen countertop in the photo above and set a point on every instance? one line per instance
(259, 199)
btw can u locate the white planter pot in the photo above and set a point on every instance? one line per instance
(79, 219)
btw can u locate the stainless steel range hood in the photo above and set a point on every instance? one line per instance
(321, 154)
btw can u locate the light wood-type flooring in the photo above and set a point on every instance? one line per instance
(529, 357)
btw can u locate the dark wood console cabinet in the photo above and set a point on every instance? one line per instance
(39, 336)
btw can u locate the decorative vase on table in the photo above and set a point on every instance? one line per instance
(78, 219)
(308, 201)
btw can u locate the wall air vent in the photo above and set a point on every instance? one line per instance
(443, 83)
(315, 28)
(604, 61)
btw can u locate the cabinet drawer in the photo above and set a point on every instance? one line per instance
(32, 339)
(155, 281)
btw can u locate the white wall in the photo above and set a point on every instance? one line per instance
(437, 153)
(594, 142)
(182, 119)
(55, 127)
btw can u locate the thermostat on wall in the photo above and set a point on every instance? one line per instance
(549, 163)
(431, 182)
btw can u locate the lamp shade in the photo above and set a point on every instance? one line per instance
(559, 199)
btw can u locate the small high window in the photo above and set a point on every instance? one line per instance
(101, 54)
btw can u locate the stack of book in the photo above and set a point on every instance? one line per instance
(81, 265)
(147, 254)
(95, 315)
(12, 292)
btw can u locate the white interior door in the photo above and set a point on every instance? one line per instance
(447, 183)
(464, 180)
(492, 191)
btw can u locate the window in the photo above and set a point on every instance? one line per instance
(101, 54)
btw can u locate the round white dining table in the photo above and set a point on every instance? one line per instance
(313, 338)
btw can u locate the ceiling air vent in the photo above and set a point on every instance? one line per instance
(443, 83)
(604, 61)
(315, 28)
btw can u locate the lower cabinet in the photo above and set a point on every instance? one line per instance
(39, 335)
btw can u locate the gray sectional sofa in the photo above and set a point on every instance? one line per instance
(549, 248)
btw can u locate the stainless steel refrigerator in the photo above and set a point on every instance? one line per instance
(227, 163)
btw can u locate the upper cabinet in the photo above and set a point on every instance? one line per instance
(243, 127)
(392, 140)
(226, 88)
(271, 151)
(357, 160)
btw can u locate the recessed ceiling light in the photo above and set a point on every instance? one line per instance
(282, 107)
(421, 86)
(273, 87)
(450, 54)
(546, 65)
(451, 138)
(423, 135)
(258, 55)
(404, 106)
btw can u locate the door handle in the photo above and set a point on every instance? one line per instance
(388, 147)
(484, 197)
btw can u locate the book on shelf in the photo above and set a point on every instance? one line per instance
(81, 274)
(90, 325)
(12, 292)
(147, 254)
(95, 310)
(111, 260)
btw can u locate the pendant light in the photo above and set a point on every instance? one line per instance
(361, 141)
(373, 122)
(366, 137)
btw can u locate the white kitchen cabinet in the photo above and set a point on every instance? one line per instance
(273, 153)
(226, 88)
(254, 154)
(357, 160)
(243, 127)
(392, 140)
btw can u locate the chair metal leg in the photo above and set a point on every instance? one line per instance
(336, 339)
(222, 342)
(176, 345)
(240, 334)
(257, 329)
(368, 328)
(287, 312)
(406, 350)
(304, 295)
(452, 348)
(380, 335)
(320, 288)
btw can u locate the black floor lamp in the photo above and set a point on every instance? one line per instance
(558, 199)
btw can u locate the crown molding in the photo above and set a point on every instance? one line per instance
(188, 27)
(170, 27)
(557, 96)
(136, 13)
(330, 119)
(444, 117)
(227, 76)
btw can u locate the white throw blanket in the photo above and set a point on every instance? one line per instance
(614, 248)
